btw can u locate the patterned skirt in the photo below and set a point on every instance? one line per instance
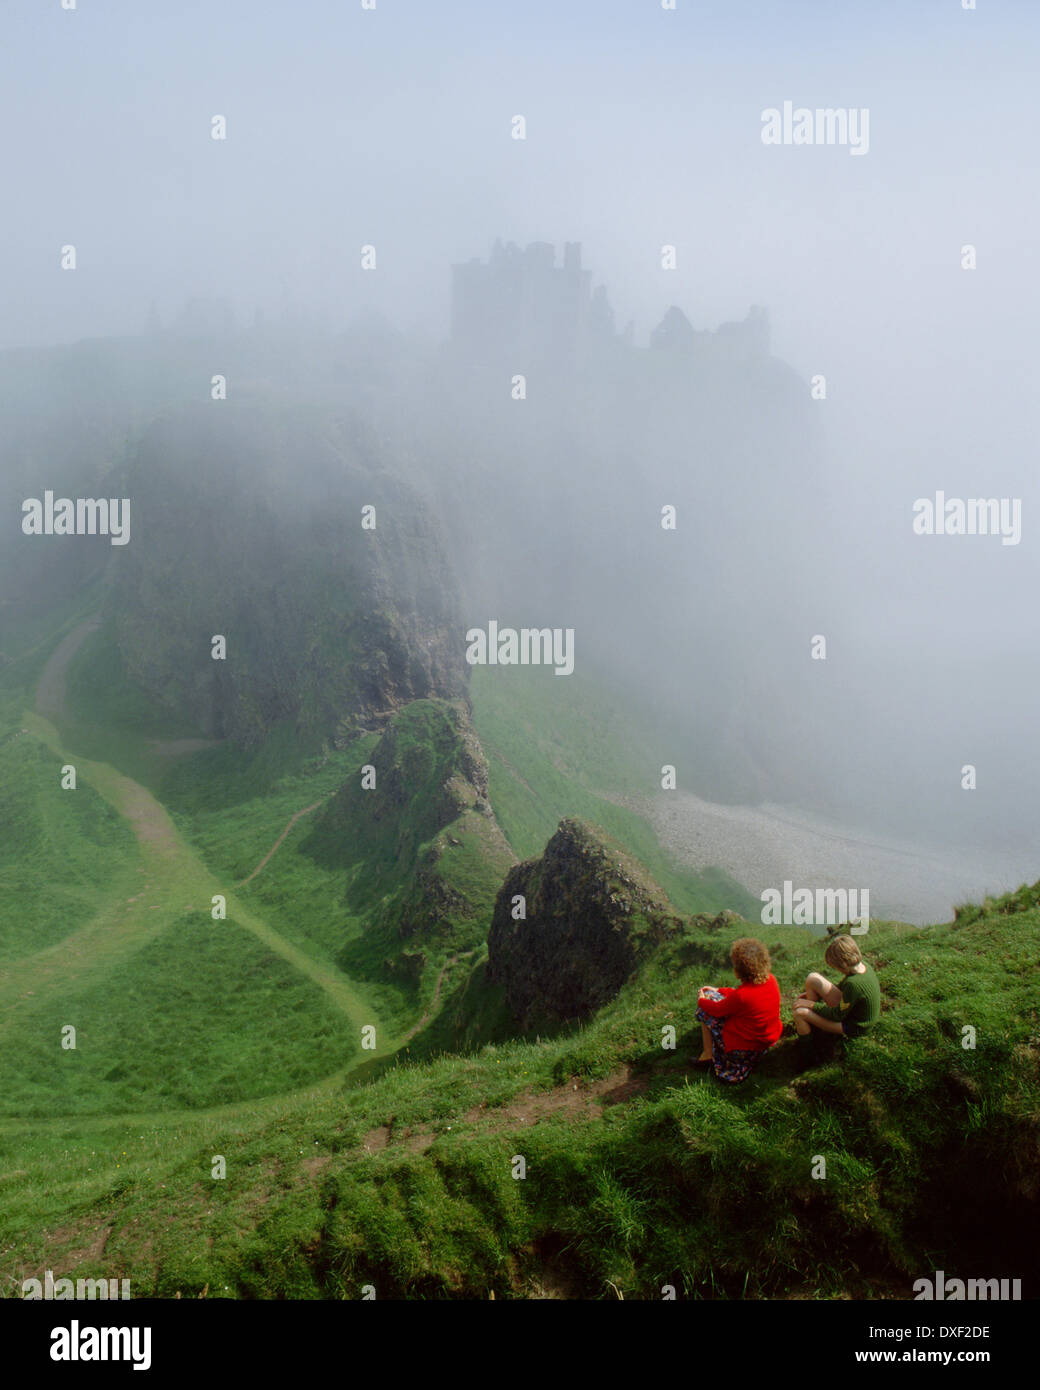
(733, 1066)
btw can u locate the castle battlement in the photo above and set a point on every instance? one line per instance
(521, 299)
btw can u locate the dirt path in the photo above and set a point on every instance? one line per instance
(52, 691)
(305, 812)
(584, 1099)
(452, 960)
(51, 687)
(176, 878)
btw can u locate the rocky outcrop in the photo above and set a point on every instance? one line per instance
(591, 916)
(248, 524)
(425, 851)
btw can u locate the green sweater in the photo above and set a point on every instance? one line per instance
(860, 1006)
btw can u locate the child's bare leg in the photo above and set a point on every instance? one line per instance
(806, 1019)
(803, 1005)
(706, 1053)
(817, 989)
(818, 986)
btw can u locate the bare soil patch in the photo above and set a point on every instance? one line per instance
(576, 1098)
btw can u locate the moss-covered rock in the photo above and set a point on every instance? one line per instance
(426, 850)
(591, 915)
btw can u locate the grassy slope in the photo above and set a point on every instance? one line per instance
(172, 1010)
(326, 882)
(201, 1015)
(558, 746)
(344, 881)
(110, 718)
(689, 1183)
(685, 1183)
(63, 853)
(335, 873)
(231, 806)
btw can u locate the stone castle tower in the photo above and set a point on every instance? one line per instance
(521, 300)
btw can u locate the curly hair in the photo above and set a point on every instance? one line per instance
(751, 960)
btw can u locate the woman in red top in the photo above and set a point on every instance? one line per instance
(738, 1025)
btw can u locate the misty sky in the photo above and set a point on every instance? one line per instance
(392, 127)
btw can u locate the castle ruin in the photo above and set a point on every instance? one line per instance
(522, 299)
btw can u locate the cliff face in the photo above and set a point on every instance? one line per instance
(248, 525)
(591, 917)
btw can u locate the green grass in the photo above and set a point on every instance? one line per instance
(231, 805)
(472, 1012)
(63, 855)
(216, 779)
(109, 718)
(235, 837)
(338, 884)
(686, 1183)
(560, 746)
(240, 1038)
(421, 863)
(354, 873)
(200, 1016)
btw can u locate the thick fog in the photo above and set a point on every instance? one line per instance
(362, 152)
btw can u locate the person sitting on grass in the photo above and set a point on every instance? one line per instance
(739, 1025)
(851, 1008)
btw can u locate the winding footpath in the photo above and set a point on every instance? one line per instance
(305, 812)
(174, 879)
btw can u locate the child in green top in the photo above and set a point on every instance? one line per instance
(851, 1008)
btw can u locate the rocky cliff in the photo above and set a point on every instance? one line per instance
(590, 916)
(248, 525)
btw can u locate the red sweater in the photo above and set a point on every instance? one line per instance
(751, 1014)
